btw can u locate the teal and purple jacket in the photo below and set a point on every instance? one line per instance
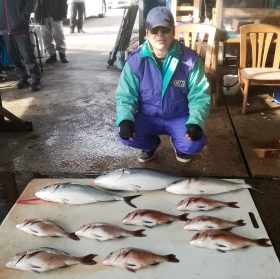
(180, 88)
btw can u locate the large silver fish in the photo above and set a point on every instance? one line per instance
(204, 186)
(43, 227)
(203, 203)
(44, 259)
(136, 179)
(105, 231)
(71, 193)
(151, 218)
(132, 259)
(205, 223)
(224, 241)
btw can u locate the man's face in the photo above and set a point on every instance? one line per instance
(161, 37)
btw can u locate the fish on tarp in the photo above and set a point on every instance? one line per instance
(132, 259)
(224, 241)
(205, 186)
(203, 203)
(45, 259)
(44, 227)
(105, 231)
(135, 179)
(72, 193)
(204, 222)
(151, 218)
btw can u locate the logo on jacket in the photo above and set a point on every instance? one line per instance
(179, 83)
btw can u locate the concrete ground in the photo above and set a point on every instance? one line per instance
(74, 134)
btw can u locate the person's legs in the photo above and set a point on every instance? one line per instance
(73, 15)
(14, 53)
(81, 9)
(59, 38)
(146, 133)
(176, 128)
(48, 36)
(26, 49)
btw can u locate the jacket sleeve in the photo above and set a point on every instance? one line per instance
(126, 95)
(199, 97)
(29, 7)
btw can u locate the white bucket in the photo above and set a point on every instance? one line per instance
(230, 84)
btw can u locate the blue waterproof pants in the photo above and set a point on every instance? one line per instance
(147, 128)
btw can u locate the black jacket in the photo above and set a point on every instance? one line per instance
(15, 14)
(57, 9)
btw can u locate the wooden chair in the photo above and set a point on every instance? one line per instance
(263, 39)
(204, 40)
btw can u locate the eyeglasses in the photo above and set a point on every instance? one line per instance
(162, 29)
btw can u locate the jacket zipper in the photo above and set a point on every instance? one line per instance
(7, 17)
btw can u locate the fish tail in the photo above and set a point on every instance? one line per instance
(183, 217)
(129, 198)
(88, 259)
(262, 242)
(232, 204)
(73, 236)
(240, 222)
(139, 233)
(31, 201)
(171, 258)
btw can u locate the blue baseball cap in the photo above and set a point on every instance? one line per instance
(159, 16)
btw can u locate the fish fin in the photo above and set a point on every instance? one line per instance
(36, 271)
(73, 236)
(232, 204)
(34, 231)
(35, 266)
(146, 222)
(240, 223)
(156, 263)
(263, 242)
(220, 245)
(130, 269)
(201, 207)
(172, 258)
(88, 259)
(66, 201)
(209, 227)
(31, 201)
(139, 233)
(129, 198)
(222, 251)
(183, 217)
(149, 227)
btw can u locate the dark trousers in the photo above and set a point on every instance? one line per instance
(79, 8)
(21, 51)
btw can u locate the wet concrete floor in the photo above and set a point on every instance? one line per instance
(74, 133)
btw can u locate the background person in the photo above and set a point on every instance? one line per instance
(163, 89)
(77, 7)
(50, 13)
(14, 23)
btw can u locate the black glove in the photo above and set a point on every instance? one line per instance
(194, 132)
(127, 129)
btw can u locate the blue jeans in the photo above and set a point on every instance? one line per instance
(148, 128)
